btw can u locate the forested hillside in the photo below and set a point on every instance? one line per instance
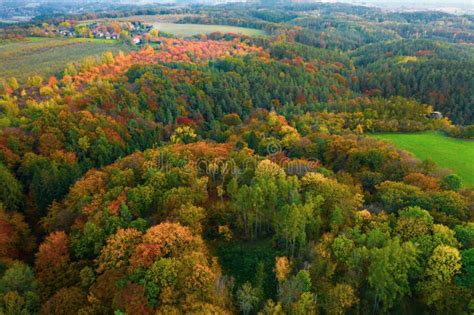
(432, 72)
(226, 174)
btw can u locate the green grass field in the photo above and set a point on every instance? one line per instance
(167, 23)
(47, 56)
(185, 30)
(454, 154)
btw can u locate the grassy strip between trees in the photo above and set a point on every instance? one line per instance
(455, 154)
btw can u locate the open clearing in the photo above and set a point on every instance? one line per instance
(186, 30)
(454, 154)
(48, 56)
(168, 24)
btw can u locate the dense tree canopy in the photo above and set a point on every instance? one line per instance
(222, 173)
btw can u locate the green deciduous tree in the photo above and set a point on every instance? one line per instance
(290, 225)
(452, 182)
(389, 270)
(443, 265)
(247, 298)
(340, 298)
(466, 278)
(163, 274)
(18, 290)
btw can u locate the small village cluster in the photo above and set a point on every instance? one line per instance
(133, 32)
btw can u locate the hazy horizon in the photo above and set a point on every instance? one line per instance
(451, 6)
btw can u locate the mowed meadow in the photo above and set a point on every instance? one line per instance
(48, 56)
(170, 24)
(187, 30)
(454, 154)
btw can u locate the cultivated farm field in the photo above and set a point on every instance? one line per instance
(454, 154)
(47, 56)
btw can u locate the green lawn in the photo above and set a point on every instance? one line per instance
(47, 56)
(186, 30)
(451, 153)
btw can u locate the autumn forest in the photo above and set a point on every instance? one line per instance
(223, 173)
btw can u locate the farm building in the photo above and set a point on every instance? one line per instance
(436, 115)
